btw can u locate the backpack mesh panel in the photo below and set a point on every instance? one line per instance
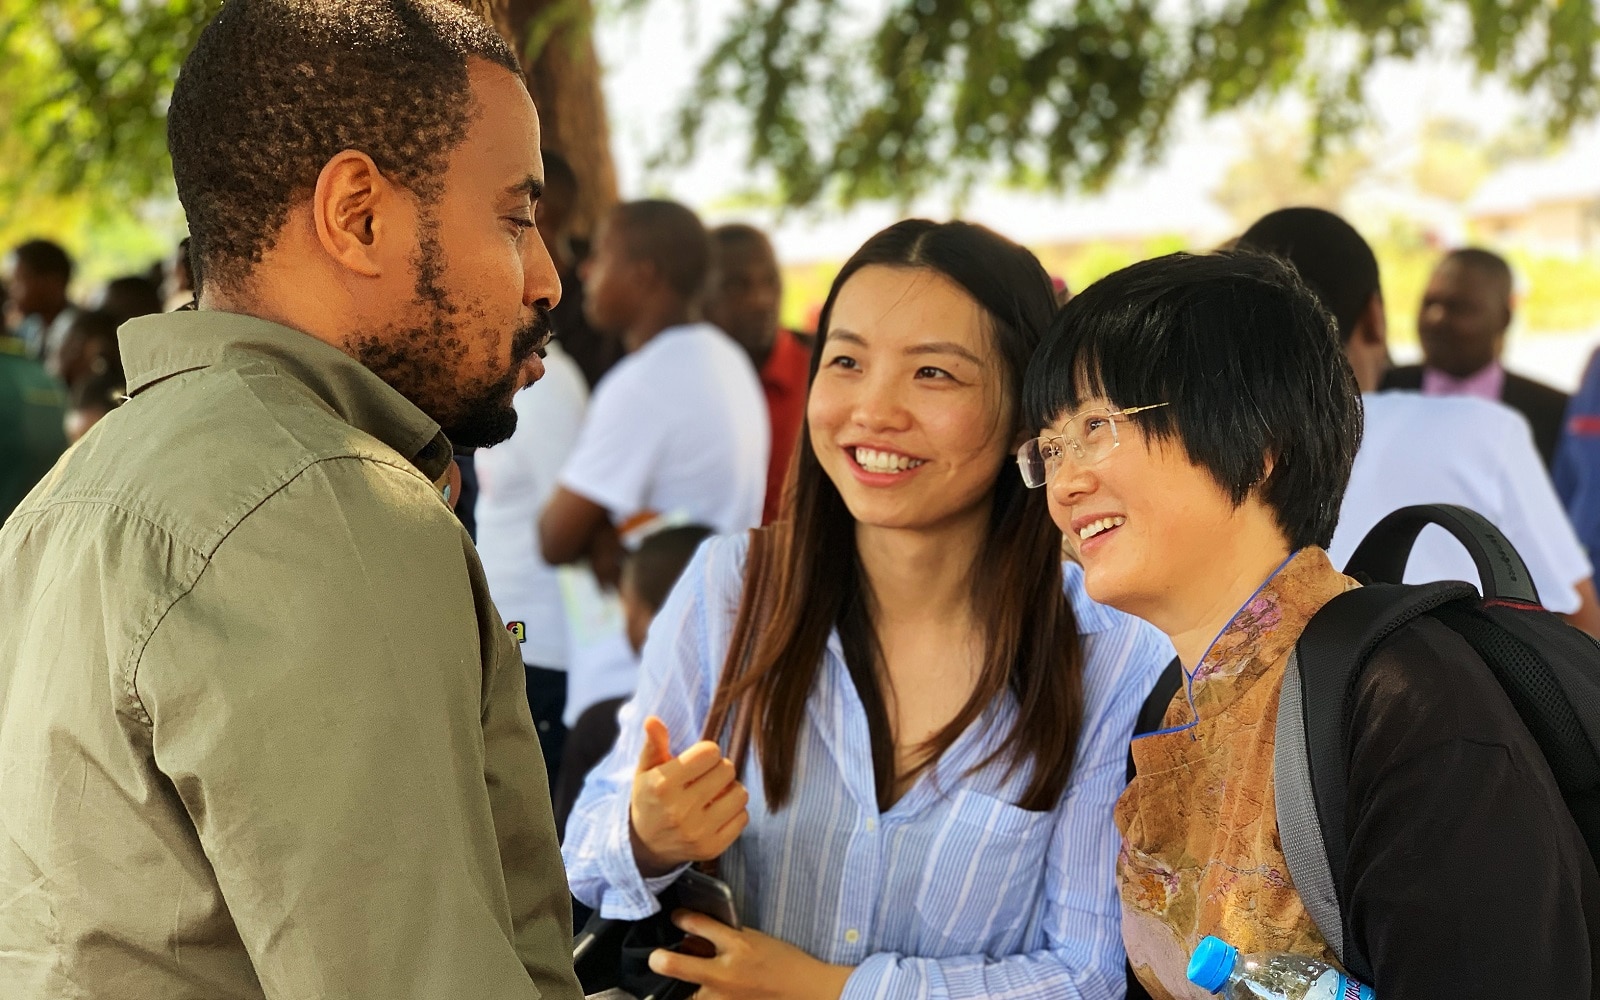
(1535, 694)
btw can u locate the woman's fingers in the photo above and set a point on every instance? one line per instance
(657, 745)
(676, 965)
(729, 831)
(710, 928)
(716, 779)
(693, 764)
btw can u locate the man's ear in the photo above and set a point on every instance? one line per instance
(1373, 327)
(350, 207)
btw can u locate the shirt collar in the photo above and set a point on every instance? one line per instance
(157, 347)
(1262, 633)
(1089, 615)
(1485, 383)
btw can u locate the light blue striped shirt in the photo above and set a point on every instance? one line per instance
(955, 891)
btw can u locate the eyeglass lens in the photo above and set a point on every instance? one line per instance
(1089, 437)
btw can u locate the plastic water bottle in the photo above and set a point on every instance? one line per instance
(1217, 967)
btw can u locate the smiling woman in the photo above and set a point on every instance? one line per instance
(1206, 515)
(937, 718)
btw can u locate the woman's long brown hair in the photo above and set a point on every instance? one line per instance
(1032, 646)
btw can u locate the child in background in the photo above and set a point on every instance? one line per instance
(648, 574)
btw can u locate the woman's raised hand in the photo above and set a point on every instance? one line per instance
(685, 808)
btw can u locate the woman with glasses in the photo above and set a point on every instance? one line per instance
(1199, 424)
(939, 716)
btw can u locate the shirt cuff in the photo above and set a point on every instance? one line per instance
(881, 977)
(628, 894)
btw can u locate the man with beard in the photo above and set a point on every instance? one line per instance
(263, 732)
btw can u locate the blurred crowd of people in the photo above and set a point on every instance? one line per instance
(60, 365)
(709, 417)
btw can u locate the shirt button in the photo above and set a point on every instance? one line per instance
(872, 824)
(852, 935)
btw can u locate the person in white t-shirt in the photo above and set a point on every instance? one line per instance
(516, 478)
(1472, 452)
(678, 428)
(1424, 449)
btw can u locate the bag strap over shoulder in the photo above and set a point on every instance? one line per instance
(1310, 775)
(1382, 555)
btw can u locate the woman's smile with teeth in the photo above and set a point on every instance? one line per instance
(1094, 528)
(885, 461)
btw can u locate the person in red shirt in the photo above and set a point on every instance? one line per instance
(742, 297)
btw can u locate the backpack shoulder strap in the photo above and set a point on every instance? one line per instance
(1310, 769)
(1154, 710)
(1383, 553)
(1298, 828)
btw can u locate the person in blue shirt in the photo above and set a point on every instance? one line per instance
(941, 714)
(1577, 467)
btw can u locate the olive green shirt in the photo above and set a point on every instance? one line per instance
(262, 733)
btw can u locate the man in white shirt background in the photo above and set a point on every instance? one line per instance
(678, 428)
(1426, 449)
(516, 478)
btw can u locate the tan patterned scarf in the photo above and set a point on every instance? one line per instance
(1200, 848)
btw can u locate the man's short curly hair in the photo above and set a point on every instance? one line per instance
(275, 88)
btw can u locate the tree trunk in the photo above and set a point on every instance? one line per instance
(555, 40)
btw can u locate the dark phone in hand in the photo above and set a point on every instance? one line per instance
(697, 891)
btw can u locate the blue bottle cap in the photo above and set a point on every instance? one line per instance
(1212, 964)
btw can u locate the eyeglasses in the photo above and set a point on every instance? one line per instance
(1088, 437)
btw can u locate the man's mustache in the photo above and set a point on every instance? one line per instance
(532, 336)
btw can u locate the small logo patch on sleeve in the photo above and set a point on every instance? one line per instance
(518, 630)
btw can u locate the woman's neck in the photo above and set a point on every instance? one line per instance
(922, 574)
(1193, 624)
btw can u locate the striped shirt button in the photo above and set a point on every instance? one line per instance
(852, 935)
(872, 824)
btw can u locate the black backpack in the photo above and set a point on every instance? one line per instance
(1549, 670)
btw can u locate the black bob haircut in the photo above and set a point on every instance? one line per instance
(275, 88)
(1247, 360)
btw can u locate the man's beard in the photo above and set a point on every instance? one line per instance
(425, 363)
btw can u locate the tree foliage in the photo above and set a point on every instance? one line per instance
(85, 84)
(1062, 93)
(857, 99)
(84, 88)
